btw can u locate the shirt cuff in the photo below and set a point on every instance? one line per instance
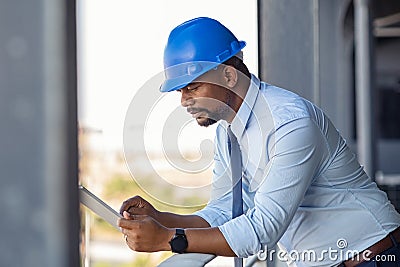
(243, 245)
(214, 218)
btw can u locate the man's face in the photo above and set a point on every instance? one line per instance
(206, 102)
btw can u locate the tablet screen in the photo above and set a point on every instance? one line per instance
(98, 206)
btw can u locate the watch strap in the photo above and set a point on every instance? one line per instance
(180, 231)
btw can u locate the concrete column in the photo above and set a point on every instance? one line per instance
(38, 137)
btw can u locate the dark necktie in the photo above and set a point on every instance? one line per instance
(236, 168)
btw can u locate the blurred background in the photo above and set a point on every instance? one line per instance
(120, 47)
(69, 70)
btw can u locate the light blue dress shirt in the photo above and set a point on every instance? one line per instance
(302, 186)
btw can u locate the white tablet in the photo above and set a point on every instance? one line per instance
(98, 206)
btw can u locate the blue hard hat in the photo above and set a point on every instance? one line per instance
(195, 47)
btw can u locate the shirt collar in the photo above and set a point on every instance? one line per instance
(241, 118)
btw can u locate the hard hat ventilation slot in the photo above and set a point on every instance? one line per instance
(221, 57)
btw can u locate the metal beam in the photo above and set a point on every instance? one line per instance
(365, 118)
(316, 60)
(387, 31)
(189, 259)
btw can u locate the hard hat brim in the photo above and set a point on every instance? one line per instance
(180, 75)
(188, 73)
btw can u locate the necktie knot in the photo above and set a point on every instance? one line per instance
(231, 135)
(232, 141)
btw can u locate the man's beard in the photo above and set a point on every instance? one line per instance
(206, 118)
(212, 117)
(206, 122)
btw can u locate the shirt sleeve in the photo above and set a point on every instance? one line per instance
(297, 151)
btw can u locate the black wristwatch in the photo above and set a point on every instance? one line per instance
(179, 242)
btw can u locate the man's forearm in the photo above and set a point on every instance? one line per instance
(201, 237)
(172, 220)
(209, 241)
(147, 234)
(202, 240)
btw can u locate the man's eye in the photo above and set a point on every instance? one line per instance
(193, 88)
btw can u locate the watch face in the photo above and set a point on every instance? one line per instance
(179, 244)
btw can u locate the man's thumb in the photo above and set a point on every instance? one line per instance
(136, 217)
(126, 215)
(139, 211)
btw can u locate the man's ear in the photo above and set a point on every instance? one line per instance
(230, 76)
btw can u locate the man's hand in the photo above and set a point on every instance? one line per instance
(143, 233)
(138, 206)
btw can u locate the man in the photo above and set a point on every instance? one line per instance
(301, 185)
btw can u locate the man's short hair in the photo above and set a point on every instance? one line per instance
(238, 64)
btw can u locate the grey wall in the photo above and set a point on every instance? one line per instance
(38, 148)
(307, 46)
(286, 44)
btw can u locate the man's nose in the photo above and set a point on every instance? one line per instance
(186, 99)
